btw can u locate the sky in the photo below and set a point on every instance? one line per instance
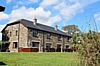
(53, 12)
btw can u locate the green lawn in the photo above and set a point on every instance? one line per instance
(40, 59)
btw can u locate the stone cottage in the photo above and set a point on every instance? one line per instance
(29, 36)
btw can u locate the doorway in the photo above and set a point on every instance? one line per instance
(58, 48)
(48, 47)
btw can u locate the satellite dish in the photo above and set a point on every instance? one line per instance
(2, 8)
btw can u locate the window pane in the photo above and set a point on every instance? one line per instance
(35, 33)
(59, 37)
(35, 44)
(48, 35)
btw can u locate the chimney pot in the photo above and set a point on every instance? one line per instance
(34, 21)
(56, 27)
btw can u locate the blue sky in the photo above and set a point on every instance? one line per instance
(53, 12)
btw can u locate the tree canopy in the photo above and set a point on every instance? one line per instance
(2, 8)
(70, 28)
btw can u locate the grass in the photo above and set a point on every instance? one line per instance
(40, 59)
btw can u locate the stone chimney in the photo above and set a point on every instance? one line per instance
(34, 21)
(56, 28)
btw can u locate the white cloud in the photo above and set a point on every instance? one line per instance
(67, 8)
(43, 16)
(21, 13)
(86, 2)
(51, 20)
(33, 1)
(46, 3)
(8, 1)
(54, 19)
(29, 13)
(97, 17)
(68, 11)
(3, 16)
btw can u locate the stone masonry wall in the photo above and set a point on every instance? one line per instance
(22, 33)
(43, 35)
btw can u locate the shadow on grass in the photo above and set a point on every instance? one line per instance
(2, 63)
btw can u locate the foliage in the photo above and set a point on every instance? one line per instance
(89, 49)
(2, 8)
(70, 28)
(74, 31)
(75, 41)
(0, 42)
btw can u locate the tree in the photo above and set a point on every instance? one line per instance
(74, 31)
(2, 8)
(71, 29)
(89, 49)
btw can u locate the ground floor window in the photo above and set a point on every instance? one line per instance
(48, 47)
(58, 45)
(15, 44)
(35, 44)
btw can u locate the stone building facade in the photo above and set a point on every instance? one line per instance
(30, 36)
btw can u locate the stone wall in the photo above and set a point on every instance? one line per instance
(12, 36)
(42, 39)
(20, 38)
(23, 36)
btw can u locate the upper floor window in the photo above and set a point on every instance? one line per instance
(10, 33)
(48, 35)
(35, 33)
(67, 38)
(59, 37)
(16, 32)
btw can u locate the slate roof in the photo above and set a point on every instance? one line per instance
(29, 24)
